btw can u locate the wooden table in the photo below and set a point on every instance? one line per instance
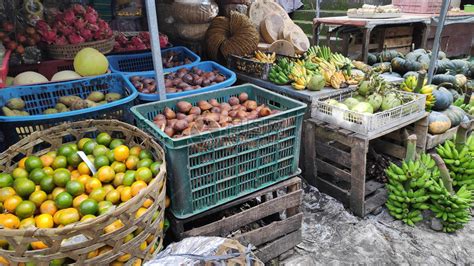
(367, 25)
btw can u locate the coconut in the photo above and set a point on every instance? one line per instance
(375, 100)
(351, 102)
(363, 107)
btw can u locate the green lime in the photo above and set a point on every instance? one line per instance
(98, 194)
(110, 155)
(25, 209)
(119, 167)
(89, 146)
(105, 206)
(128, 178)
(145, 154)
(88, 206)
(63, 200)
(37, 175)
(81, 142)
(57, 262)
(100, 161)
(59, 162)
(75, 188)
(103, 138)
(146, 162)
(6, 180)
(33, 162)
(144, 174)
(115, 143)
(47, 184)
(155, 168)
(38, 197)
(74, 159)
(100, 150)
(19, 173)
(61, 176)
(24, 187)
(66, 150)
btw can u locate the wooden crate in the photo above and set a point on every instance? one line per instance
(336, 161)
(278, 234)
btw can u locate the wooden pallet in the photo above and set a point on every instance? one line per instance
(278, 234)
(337, 159)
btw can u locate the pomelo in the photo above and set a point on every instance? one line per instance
(90, 62)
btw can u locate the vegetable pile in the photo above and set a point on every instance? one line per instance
(186, 119)
(75, 25)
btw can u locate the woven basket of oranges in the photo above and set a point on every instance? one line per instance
(87, 192)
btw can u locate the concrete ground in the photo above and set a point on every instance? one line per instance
(332, 235)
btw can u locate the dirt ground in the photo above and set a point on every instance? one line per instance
(332, 235)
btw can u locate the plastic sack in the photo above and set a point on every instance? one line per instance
(205, 250)
(190, 12)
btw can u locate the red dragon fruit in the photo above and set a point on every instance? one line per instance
(92, 27)
(79, 9)
(91, 18)
(122, 39)
(87, 34)
(61, 40)
(91, 10)
(98, 35)
(80, 24)
(69, 17)
(42, 26)
(163, 40)
(75, 39)
(49, 36)
(66, 30)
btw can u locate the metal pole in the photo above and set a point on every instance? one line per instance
(439, 30)
(317, 16)
(155, 47)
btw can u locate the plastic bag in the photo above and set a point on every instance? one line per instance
(200, 250)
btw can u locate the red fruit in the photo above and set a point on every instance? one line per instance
(121, 39)
(37, 37)
(80, 24)
(8, 26)
(12, 45)
(30, 30)
(61, 40)
(92, 27)
(86, 34)
(102, 24)
(6, 39)
(49, 36)
(42, 26)
(2, 35)
(69, 17)
(20, 49)
(91, 18)
(20, 38)
(79, 9)
(30, 41)
(75, 39)
(136, 41)
(67, 30)
(91, 10)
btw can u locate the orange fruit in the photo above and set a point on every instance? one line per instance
(116, 263)
(143, 245)
(98, 194)
(128, 238)
(167, 201)
(68, 216)
(150, 238)
(104, 249)
(76, 202)
(147, 203)
(83, 169)
(11, 203)
(140, 212)
(24, 187)
(59, 162)
(33, 162)
(144, 174)
(99, 150)
(126, 194)
(81, 142)
(48, 170)
(6, 192)
(61, 176)
(120, 188)
(75, 174)
(117, 224)
(124, 258)
(103, 138)
(63, 200)
(44, 220)
(6, 180)
(121, 153)
(118, 167)
(9, 221)
(38, 197)
(56, 216)
(48, 207)
(106, 174)
(115, 143)
(105, 207)
(92, 184)
(137, 186)
(132, 162)
(21, 163)
(4, 261)
(19, 173)
(137, 262)
(93, 253)
(27, 222)
(75, 188)
(47, 160)
(87, 217)
(38, 245)
(135, 150)
(83, 179)
(57, 191)
(108, 188)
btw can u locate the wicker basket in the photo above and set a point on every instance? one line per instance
(85, 237)
(69, 51)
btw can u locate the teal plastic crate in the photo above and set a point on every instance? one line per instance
(215, 167)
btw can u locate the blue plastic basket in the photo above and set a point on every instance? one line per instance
(43, 96)
(144, 62)
(212, 168)
(206, 66)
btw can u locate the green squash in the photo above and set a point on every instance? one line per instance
(443, 78)
(441, 55)
(381, 67)
(455, 114)
(443, 66)
(371, 59)
(471, 69)
(417, 60)
(398, 65)
(455, 94)
(438, 123)
(458, 66)
(443, 99)
(388, 55)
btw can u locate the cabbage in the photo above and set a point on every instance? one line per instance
(363, 107)
(375, 100)
(351, 102)
(390, 101)
(316, 83)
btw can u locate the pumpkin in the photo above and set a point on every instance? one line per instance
(443, 66)
(441, 55)
(371, 59)
(461, 80)
(398, 65)
(458, 66)
(388, 55)
(455, 114)
(455, 94)
(410, 73)
(471, 69)
(438, 123)
(443, 78)
(417, 60)
(443, 99)
(381, 67)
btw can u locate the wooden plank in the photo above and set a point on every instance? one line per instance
(336, 173)
(398, 41)
(375, 201)
(421, 132)
(324, 133)
(228, 224)
(309, 172)
(391, 149)
(398, 31)
(371, 186)
(270, 232)
(295, 209)
(434, 140)
(333, 190)
(332, 153)
(279, 246)
(358, 170)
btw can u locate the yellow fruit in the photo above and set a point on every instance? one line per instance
(104, 249)
(90, 62)
(118, 179)
(167, 201)
(113, 226)
(27, 222)
(137, 262)
(124, 258)
(4, 261)
(93, 253)
(57, 191)
(38, 197)
(83, 169)
(6, 192)
(38, 245)
(108, 188)
(9, 220)
(147, 203)
(11, 203)
(92, 184)
(81, 142)
(87, 217)
(83, 179)
(48, 207)
(132, 162)
(44, 221)
(75, 174)
(137, 186)
(47, 160)
(113, 196)
(21, 163)
(126, 194)
(140, 212)
(121, 153)
(106, 174)
(78, 199)
(48, 170)
(143, 245)
(98, 194)
(128, 238)
(68, 216)
(120, 188)
(135, 150)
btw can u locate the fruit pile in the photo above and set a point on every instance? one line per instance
(208, 115)
(17, 41)
(174, 59)
(15, 106)
(75, 25)
(178, 81)
(410, 85)
(280, 71)
(264, 58)
(138, 42)
(59, 188)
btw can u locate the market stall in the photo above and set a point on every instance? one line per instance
(122, 145)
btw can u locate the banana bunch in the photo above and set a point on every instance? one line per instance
(312, 51)
(409, 85)
(280, 71)
(340, 61)
(361, 66)
(265, 58)
(324, 52)
(337, 80)
(307, 64)
(408, 188)
(459, 162)
(466, 107)
(300, 76)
